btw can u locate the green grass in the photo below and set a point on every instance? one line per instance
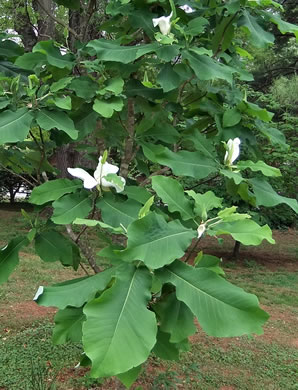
(29, 361)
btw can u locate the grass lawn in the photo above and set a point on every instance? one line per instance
(28, 360)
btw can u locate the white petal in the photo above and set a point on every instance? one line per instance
(109, 168)
(235, 149)
(201, 229)
(38, 293)
(89, 181)
(164, 23)
(155, 21)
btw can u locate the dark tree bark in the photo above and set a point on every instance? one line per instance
(46, 26)
(236, 250)
(22, 24)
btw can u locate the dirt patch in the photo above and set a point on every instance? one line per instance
(23, 313)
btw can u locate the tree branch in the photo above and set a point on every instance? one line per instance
(72, 31)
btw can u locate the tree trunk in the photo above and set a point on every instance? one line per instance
(46, 26)
(22, 24)
(236, 250)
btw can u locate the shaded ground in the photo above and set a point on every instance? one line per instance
(269, 361)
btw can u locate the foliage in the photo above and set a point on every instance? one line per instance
(163, 106)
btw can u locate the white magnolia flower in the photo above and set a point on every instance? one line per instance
(233, 151)
(99, 178)
(186, 8)
(201, 230)
(164, 23)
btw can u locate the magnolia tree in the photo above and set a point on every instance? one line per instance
(158, 102)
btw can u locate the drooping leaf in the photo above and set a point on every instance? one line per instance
(117, 213)
(124, 343)
(223, 310)
(68, 325)
(63, 102)
(48, 120)
(53, 55)
(107, 50)
(52, 246)
(210, 262)
(139, 194)
(200, 143)
(10, 49)
(60, 84)
(31, 60)
(267, 170)
(168, 79)
(164, 349)
(258, 36)
(9, 257)
(206, 68)
(129, 377)
(171, 192)
(70, 207)
(92, 223)
(14, 125)
(53, 190)
(205, 202)
(246, 231)
(152, 235)
(182, 163)
(75, 292)
(266, 196)
(275, 136)
(175, 317)
(232, 175)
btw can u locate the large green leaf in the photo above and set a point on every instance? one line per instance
(175, 318)
(106, 108)
(275, 136)
(267, 170)
(9, 257)
(75, 292)
(107, 50)
(53, 190)
(200, 142)
(155, 242)
(117, 213)
(167, 78)
(266, 196)
(172, 193)
(53, 246)
(48, 120)
(30, 60)
(68, 325)
(70, 207)
(163, 348)
(53, 55)
(258, 36)
(129, 377)
(120, 331)
(206, 68)
(223, 310)
(10, 49)
(140, 194)
(84, 87)
(205, 202)
(14, 125)
(182, 163)
(246, 231)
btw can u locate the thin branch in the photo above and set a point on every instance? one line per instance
(87, 251)
(59, 21)
(16, 174)
(192, 250)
